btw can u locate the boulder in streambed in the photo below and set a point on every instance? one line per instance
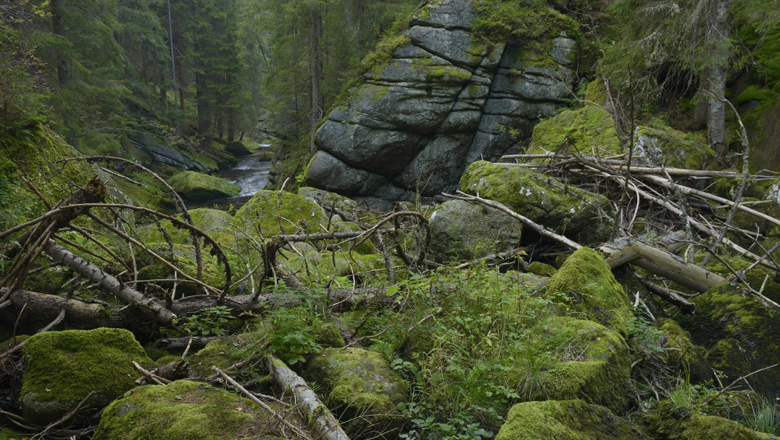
(566, 420)
(185, 410)
(63, 367)
(198, 186)
(361, 390)
(237, 149)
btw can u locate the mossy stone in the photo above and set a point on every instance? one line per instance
(565, 209)
(213, 272)
(328, 199)
(299, 214)
(64, 367)
(237, 148)
(598, 374)
(183, 410)
(666, 422)
(566, 420)
(740, 335)
(196, 186)
(214, 222)
(222, 353)
(683, 354)
(328, 335)
(541, 269)
(585, 284)
(8, 434)
(581, 129)
(362, 390)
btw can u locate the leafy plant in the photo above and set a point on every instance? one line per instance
(211, 321)
(292, 335)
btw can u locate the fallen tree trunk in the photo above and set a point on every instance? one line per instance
(320, 418)
(663, 264)
(108, 283)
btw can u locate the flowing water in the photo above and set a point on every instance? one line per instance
(251, 174)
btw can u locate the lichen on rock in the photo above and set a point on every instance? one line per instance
(64, 367)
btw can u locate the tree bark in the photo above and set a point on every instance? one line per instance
(317, 103)
(58, 27)
(717, 48)
(204, 110)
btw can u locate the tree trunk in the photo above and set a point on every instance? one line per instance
(58, 27)
(717, 48)
(317, 103)
(204, 110)
(231, 124)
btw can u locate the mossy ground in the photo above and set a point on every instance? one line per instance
(223, 353)
(185, 410)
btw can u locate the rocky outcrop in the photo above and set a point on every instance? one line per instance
(437, 101)
(166, 155)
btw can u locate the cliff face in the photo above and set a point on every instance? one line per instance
(441, 100)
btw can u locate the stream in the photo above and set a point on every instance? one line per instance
(251, 174)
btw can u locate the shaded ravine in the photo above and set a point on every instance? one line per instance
(251, 174)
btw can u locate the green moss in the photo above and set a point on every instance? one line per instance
(597, 370)
(214, 222)
(681, 353)
(581, 129)
(565, 420)
(543, 199)
(182, 410)
(198, 186)
(515, 21)
(298, 214)
(362, 390)
(541, 269)
(213, 272)
(674, 148)
(585, 284)
(754, 93)
(328, 335)
(8, 434)
(596, 93)
(667, 422)
(448, 73)
(64, 367)
(378, 59)
(222, 353)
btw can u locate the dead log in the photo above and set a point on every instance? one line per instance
(663, 264)
(181, 343)
(320, 418)
(108, 283)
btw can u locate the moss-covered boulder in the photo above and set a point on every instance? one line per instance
(214, 222)
(464, 231)
(740, 335)
(581, 130)
(585, 284)
(237, 148)
(64, 367)
(598, 371)
(361, 390)
(328, 199)
(541, 269)
(682, 354)
(298, 213)
(184, 257)
(566, 420)
(668, 422)
(222, 353)
(196, 186)
(545, 200)
(185, 410)
(8, 434)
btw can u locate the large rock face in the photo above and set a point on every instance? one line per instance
(440, 101)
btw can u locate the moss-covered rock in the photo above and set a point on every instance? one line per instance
(298, 213)
(581, 130)
(362, 390)
(328, 199)
(585, 284)
(64, 367)
(184, 410)
(668, 422)
(598, 373)
(222, 353)
(237, 148)
(564, 209)
(541, 269)
(8, 434)
(192, 185)
(214, 222)
(566, 420)
(682, 354)
(464, 231)
(328, 336)
(184, 255)
(740, 335)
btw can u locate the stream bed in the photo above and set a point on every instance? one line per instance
(251, 174)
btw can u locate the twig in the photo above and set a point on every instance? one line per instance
(711, 399)
(51, 325)
(252, 397)
(149, 375)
